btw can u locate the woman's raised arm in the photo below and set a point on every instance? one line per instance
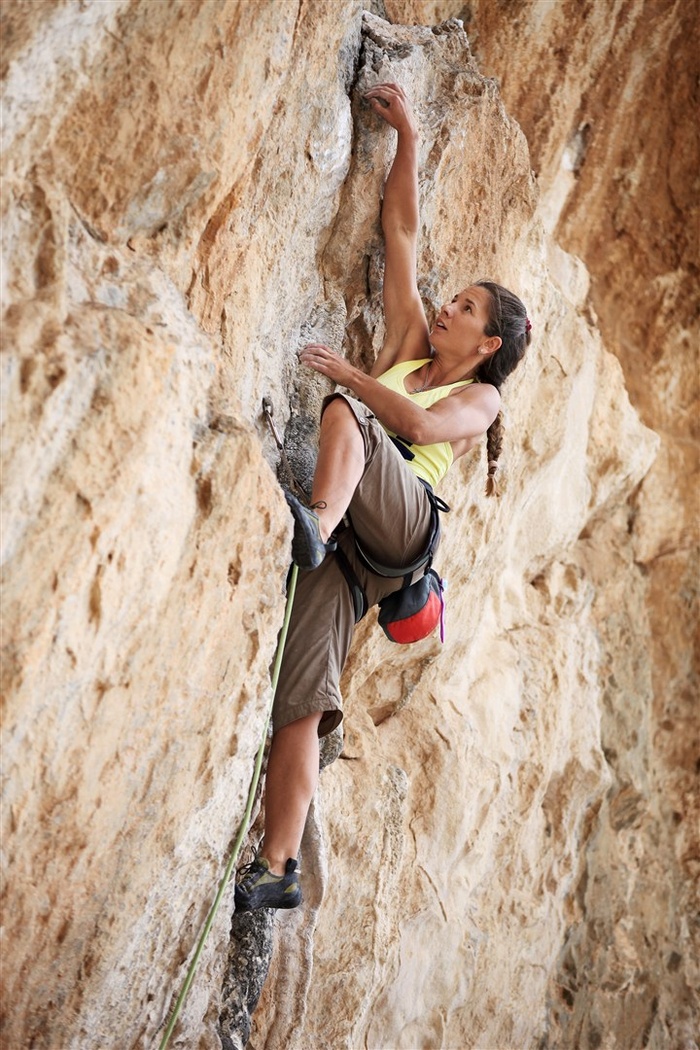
(406, 325)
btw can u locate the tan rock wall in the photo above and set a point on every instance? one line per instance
(190, 191)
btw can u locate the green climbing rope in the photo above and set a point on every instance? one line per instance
(243, 827)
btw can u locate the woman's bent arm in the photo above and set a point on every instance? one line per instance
(464, 414)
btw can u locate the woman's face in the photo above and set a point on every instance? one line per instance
(460, 324)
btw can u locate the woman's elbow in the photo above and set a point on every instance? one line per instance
(418, 433)
(399, 226)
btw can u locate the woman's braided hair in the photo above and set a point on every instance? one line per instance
(508, 320)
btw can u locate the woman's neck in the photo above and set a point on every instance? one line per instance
(444, 372)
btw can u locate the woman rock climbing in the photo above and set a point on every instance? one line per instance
(430, 398)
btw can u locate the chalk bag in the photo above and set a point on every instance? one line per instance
(414, 612)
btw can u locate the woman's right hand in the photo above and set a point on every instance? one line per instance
(391, 103)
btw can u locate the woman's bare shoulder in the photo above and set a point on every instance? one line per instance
(481, 397)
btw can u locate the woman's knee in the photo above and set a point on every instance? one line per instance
(300, 727)
(337, 410)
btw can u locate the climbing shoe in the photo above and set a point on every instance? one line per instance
(308, 549)
(259, 888)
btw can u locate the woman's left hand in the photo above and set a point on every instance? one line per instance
(392, 104)
(324, 360)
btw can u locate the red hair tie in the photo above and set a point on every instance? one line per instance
(528, 325)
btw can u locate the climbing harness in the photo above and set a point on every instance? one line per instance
(243, 826)
(413, 572)
(415, 610)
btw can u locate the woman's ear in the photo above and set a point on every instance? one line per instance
(490, 345)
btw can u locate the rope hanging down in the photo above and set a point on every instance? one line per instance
(243, 827)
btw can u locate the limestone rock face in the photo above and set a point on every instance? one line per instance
(190, 192)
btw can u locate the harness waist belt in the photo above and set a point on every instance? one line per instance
(418, 568)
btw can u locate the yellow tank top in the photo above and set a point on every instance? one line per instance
(429, 462)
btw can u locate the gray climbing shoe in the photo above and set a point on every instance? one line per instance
(308, 549)
(259, 888)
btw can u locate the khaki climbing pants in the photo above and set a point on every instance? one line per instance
(391, 514)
